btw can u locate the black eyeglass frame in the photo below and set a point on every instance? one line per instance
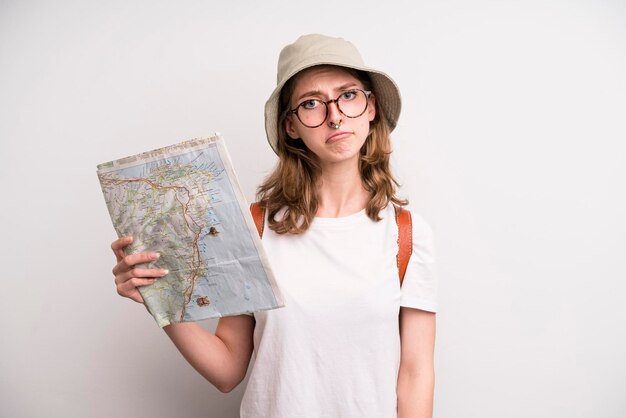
(367, 94)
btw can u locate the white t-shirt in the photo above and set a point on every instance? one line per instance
(334, 349)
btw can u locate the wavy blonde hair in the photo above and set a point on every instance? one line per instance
(291, 186)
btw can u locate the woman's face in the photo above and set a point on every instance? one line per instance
(330, 145)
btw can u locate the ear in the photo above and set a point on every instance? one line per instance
(290, 129)
(371, 108)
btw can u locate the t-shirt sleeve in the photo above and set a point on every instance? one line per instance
(419, 288)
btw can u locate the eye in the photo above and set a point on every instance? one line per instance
(348, 95)
(310, 104)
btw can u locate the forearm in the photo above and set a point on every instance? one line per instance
(206, 352)
(415, 394)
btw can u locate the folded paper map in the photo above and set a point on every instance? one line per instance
(185, 203)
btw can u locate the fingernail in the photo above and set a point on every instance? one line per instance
(156, 255)
(165, 271)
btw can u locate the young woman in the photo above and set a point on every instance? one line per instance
(350, 342)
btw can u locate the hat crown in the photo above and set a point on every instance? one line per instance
(315, 48)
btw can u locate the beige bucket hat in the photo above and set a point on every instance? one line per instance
(311, 50)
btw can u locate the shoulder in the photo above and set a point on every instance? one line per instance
(420, 228)
(419, 225)
(422, 234)
(419, 288)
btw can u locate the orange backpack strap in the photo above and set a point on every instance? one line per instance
(405, 240)
(258, 214)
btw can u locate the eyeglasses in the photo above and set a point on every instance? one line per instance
(313, 112)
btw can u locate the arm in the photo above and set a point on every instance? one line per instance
(416, 379)
(222, 358)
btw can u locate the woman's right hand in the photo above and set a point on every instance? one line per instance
(222, 358)
(128, 277)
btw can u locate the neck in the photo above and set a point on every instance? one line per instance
(341, 191)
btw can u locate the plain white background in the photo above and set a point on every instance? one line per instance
(510, 144)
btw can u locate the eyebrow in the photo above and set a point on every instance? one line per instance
(319, 93)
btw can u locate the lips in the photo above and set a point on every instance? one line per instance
(337, 136)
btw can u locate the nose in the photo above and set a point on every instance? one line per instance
(334, 114)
